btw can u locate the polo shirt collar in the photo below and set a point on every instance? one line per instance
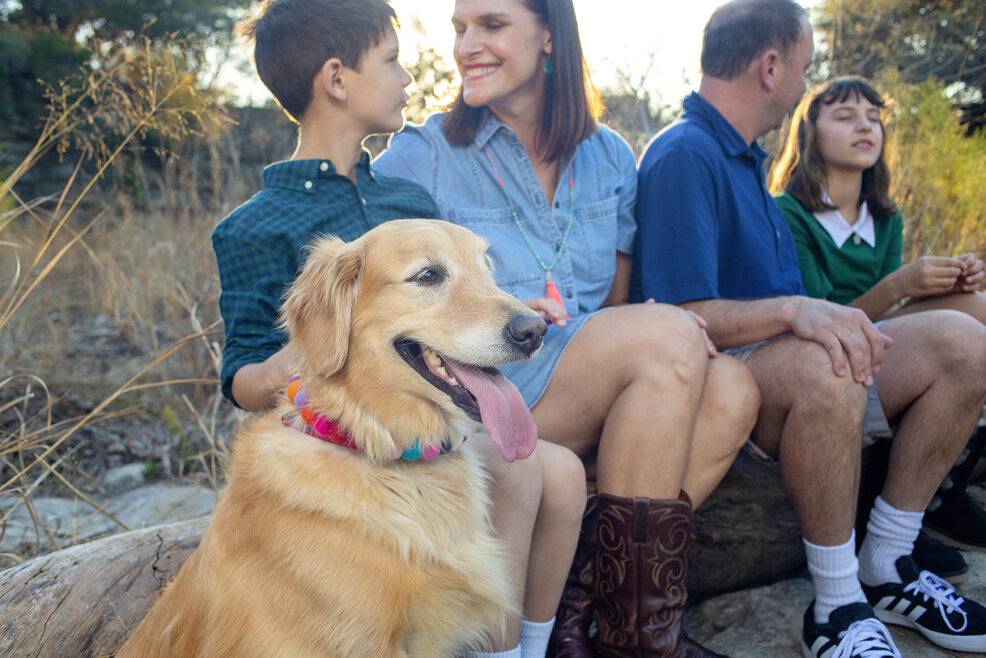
(732, 143)
(836, 225)
(301, 175)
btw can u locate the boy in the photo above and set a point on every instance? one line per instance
(332, 66)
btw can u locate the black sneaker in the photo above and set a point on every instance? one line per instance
(940, 559)
(929, 605)
(852, 630)
(958, 521)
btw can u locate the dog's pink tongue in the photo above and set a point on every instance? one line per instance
(504, 413)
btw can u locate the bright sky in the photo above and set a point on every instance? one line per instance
(617, 36)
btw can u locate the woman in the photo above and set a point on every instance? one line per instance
(520, 160)
(832, 182)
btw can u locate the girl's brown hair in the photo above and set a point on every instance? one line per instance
(799, 169)
(571, 102)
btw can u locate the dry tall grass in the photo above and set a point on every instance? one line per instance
(108, 311)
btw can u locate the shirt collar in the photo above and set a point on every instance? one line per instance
(302, 175)
(490, 126)
(836, 225)
(730, 140)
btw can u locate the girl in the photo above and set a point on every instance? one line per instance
(832, 182)
(833, 185)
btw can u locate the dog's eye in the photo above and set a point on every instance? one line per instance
(429, 276)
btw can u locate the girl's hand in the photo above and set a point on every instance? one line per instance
(930, 276)
(550, 311)
(970, 280)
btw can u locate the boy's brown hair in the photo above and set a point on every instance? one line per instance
(292, 39)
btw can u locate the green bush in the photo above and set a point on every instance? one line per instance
(939, 173)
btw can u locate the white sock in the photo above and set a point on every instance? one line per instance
(534, 637)
(834, 572)
(890, 535)
(510, 653)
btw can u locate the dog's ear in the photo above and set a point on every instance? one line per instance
(318, 311)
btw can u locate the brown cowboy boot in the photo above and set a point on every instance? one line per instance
(570, 636)
(641, 566)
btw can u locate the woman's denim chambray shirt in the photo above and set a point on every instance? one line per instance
(464, 185)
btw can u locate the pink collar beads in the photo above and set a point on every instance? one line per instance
(324, 428)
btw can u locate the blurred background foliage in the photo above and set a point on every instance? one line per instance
(122, 145)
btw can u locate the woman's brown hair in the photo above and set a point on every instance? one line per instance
(571, 102)
(799, 169)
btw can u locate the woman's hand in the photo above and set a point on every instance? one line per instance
(550, 311)
(970, 280)
(930, 276)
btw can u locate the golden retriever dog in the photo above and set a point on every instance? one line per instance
(360, 526)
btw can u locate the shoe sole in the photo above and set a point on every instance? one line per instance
(954, 543)
(953, 642)
(957, 578)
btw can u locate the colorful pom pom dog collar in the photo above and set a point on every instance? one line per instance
(326, 429)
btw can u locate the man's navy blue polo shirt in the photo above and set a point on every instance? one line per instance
(706, 225)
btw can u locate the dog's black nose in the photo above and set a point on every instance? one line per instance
(526, 331)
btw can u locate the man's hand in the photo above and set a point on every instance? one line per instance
(853, 342)
(550, 311)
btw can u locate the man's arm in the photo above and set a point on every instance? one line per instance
(853, 343)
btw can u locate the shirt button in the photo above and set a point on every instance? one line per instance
(363, 201)
(308, 185)
(324, 166)
(557, 204)
(568, 294)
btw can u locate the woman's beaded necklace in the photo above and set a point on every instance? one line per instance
(551, 290)
(326, 429)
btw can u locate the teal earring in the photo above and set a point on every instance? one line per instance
(547, 65)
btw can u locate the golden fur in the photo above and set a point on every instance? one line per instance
(316, 550)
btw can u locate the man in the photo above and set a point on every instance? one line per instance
(711, 239)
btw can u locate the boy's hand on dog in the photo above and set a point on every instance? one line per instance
(550, 311)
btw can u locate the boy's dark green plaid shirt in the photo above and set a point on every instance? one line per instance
(259, 246)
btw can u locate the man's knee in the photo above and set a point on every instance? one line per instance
(801, 375)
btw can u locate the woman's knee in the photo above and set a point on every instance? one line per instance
(731, 399)
(669, 341)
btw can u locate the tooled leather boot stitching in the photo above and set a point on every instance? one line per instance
(641, 567)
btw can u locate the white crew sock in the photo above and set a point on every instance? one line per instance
(534, 637)
(834, 572)
(510, 653)
(890, 535)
